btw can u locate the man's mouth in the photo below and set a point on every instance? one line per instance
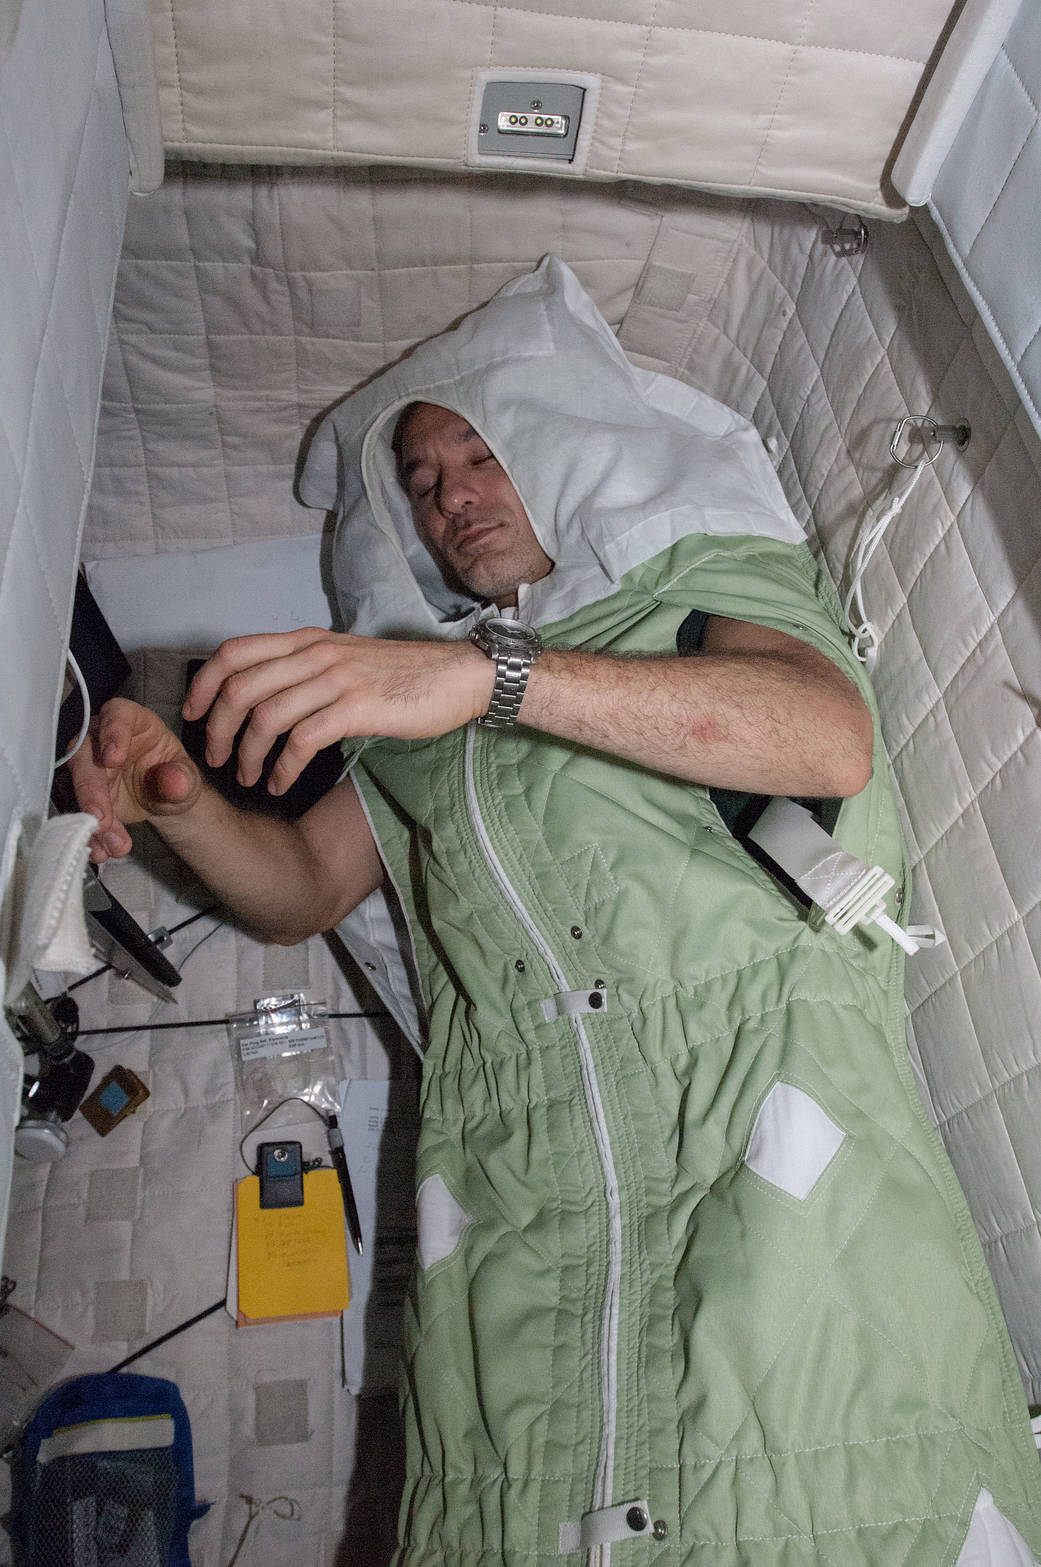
(469, 540)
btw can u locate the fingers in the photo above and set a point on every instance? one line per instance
(241, 654)
(307, 738)
(93, 792)
(295, 709)
(131, 769)
(273, 694)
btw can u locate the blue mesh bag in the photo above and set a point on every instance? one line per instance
(103, 1476)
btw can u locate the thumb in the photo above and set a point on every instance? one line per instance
(171, 784)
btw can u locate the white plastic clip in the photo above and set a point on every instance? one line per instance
(847, 891)
(864, 904)
(927, 935)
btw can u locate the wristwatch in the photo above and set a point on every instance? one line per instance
(514, 647)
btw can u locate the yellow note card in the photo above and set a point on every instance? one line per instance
(292, 1262)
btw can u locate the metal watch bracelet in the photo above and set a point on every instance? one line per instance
(511, 678)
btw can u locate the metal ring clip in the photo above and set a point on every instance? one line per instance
(933, 434)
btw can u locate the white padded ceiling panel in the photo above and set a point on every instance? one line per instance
(807, 99)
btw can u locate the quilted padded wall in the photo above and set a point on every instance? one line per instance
(63, 193)
(247, 303)
(991, 212)
(806, 99)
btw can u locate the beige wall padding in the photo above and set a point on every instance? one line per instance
(804, 99)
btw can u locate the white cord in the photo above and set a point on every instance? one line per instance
(864, 634)
(85, 694)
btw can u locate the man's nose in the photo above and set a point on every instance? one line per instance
(455, 493)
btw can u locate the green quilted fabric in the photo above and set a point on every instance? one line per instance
(631, 1285)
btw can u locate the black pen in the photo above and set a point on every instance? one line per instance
(339, 1158)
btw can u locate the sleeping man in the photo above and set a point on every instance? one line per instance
(694, 1279)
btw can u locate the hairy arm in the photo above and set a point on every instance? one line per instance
(285, 880)
(756, 710)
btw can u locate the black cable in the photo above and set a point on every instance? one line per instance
(198, 1022)
(181, 1328)
(288, 1100)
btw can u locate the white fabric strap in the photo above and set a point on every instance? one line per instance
(606, 1526)
(109, 1436)
(573, 1003)
(849, 892)
(863, 632)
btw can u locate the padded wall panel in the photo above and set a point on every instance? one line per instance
(984, 200)
(63, 193)
(806, 99)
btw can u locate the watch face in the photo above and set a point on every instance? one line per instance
(511, 631)
(505, 635)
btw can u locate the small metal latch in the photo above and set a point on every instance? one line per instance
(933, 437)
(849, 239)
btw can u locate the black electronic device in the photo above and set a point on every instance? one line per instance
(280, 1167)
(102, 663)
(318, 777)
(119, 939)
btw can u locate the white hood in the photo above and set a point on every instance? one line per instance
(611, 463)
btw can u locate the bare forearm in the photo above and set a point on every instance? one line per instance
(757, 721)
(267, 871)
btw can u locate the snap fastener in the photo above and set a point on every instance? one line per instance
(576, 931)
(370, 966)
(637, 1519)
(661, 1529)
(520, 965)
(596, 999)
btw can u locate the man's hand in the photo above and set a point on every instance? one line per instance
(130, 769)
(321, 686)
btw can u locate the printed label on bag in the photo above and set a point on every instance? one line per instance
(253, 1046)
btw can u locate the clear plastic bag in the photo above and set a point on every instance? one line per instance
(281, 1051)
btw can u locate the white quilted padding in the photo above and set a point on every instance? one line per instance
(63, 192)
(806, 100)
(985, 202)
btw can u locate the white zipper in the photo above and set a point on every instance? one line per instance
(594, 1105)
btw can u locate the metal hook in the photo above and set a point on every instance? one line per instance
(932, 434)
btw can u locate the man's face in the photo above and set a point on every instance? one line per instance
(465, 509)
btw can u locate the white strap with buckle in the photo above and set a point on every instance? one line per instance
(849, 892)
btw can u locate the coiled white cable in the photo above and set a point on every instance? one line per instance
(864, 633)
(85, 724)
